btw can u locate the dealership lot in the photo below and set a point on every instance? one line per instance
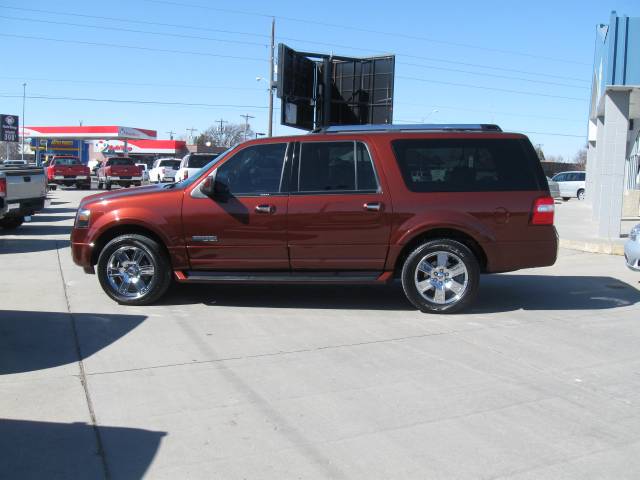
(539, 380)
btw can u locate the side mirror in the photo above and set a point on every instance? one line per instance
(214, 189)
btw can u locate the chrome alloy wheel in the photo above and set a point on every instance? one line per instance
(441, 277)
(130, 272)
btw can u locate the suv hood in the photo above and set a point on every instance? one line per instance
(128, 193)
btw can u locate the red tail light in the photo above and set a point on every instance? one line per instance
(3, 187)
(186, 175)
(543, 210)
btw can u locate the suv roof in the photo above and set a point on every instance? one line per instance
(430, 127)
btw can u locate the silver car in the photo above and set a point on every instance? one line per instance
(572, 184)
(632, 249)
(554, 188)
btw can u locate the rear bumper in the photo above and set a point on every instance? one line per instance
(511, 256)
(25, 206)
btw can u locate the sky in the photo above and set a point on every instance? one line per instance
(526, 66)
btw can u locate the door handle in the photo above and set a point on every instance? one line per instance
(373, 207)
(269, 209)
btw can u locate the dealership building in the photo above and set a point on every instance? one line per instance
(613, 155)
(97, 142)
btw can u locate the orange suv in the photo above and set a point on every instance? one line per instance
(431, 205)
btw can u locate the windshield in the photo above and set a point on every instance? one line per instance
(199, 161)
(196, 176)
(67, 161)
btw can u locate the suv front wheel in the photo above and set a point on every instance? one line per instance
(134, 270)
(441, 276)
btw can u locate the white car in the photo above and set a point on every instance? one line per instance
(572, 184)
(145, 172)
(192, 162)
(164, 170)
(632, 249)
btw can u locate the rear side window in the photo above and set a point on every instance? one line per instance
(335, 167)
(467, 165)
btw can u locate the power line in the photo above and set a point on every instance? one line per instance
(140, 102)
(196, 37)
(492, 112)
(369, 50)
(131, 30)
(366, 30)
(132, 47)
(129, 84)
(467, 85)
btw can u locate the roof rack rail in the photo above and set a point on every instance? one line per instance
(461, 127)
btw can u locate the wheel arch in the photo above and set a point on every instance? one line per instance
(445, 233)
(131, 228)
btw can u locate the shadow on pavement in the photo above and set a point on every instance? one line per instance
(349, 297)
(31, 229)
(38, 450)
(498, 293)
(20, 245)
(508, 292)
(31, 341)
(59, 210)
(50, 218)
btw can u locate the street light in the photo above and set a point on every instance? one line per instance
(260, 134)
(432, 112)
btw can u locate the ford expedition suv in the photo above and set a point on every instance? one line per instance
(68, 171)
(433, 206)
(121, 171)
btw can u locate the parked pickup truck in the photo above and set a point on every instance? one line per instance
(23, 190)
(121, 171)
(68, 171)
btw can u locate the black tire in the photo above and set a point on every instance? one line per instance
(127, 185)
(107, 186)
(138, 184)
(580, 194)
(100, 185)
(566, 199)
(156, 254)
(456, 252)
(9, 223)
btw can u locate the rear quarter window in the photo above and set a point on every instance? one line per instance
(468, 165)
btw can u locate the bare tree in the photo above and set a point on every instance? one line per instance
(555, 158)
(581, 156)
(231, 134)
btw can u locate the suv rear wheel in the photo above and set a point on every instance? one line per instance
(134, 270)
(10, 223)
(441, 276)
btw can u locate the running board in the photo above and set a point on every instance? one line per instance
(348, 277)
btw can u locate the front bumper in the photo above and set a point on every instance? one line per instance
(632, 255)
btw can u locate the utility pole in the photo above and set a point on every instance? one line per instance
(246, 124)
(191, 130)
(24, 97)
(221, 121)
(271, 68)
(171, 133)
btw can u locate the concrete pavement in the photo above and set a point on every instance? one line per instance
(539, 380)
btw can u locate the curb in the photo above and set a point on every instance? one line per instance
(608, 248)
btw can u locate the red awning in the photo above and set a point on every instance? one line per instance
(111, 132)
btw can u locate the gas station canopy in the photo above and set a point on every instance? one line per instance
(109, 132)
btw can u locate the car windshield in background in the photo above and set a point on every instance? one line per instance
(174, 164)
(203, 170)
(120, 161)
(199, 161)
(67, 161)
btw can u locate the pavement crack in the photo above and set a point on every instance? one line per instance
(273, 354)
(83, 375)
